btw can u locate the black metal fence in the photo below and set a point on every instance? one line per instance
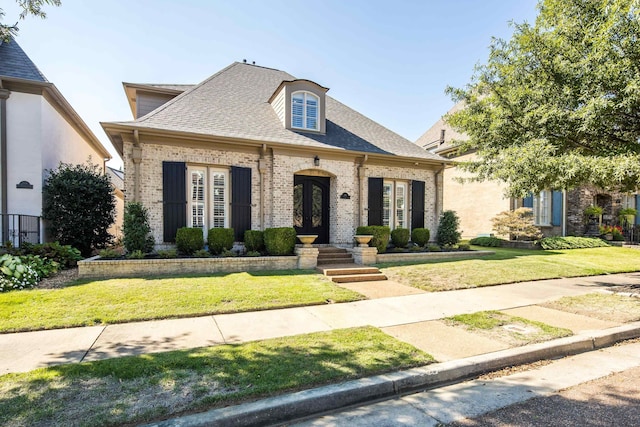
(19, 229)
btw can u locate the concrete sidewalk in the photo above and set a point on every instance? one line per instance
(400, 316)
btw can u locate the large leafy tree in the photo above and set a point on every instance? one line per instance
(28, 7)
(558, 105)
(79, 204)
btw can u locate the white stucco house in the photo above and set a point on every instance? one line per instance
(38, 130)
(253, 147)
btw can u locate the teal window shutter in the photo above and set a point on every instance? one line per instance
(527, 202)
(556, 208)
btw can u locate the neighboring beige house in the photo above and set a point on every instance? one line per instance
(117, 180)
(254, 147)
(556, 212)
(38, 130)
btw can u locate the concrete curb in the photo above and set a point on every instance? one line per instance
(329, 398)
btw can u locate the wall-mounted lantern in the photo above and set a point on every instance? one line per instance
(345, 196)
(316, 161)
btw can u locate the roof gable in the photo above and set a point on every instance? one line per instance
(234, 103)
(16, 64)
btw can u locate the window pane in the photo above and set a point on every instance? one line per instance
(401, 190)
(218, 203)
(387, 189)
(316, 207)
(197, 199)
(297, 205)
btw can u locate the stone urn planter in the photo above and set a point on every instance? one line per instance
(307, 239)
(363, 239)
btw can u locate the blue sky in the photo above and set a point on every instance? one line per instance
(389, 60)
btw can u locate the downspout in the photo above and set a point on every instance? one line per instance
(136, 156)
(262, 168)
(362, 172)
(4, 94)
(439, 192)
(564, 212)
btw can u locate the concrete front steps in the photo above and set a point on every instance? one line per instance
(331, 255)
(349, 273)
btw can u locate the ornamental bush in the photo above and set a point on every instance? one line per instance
(14, 274)
(189, 240)
(448, 234)
(136, 228)
(254, 240)
(65, 255)
(420, 236)
(400, 237)
(570, 242)
(280, 241)
(220, 239)
(380, 233)
(79, 204)
(486, 241)
(518, 224)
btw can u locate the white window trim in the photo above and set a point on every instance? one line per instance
(304, 110)
(208, 219)
(542, 208)
(393, 203)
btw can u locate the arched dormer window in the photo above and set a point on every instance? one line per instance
(305, 108)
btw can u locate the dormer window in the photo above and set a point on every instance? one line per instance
(304, 110)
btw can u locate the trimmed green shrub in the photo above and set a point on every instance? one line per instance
(486, 241)
(168, 253)
(135, 255)
(228, 254)
(570, 242)
(254, 240)
(79, 204)
(380, 233)
(464, 247)
(202, 253)
(400, 237)
(448, 234)
(434, 248)
(280, 241)
(253, 253)
(189, 240)
(220, 239)
(109, 253)
(136, 228)
(420, 236)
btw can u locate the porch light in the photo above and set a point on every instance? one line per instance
(316, 161)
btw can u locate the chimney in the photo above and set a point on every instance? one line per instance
(442, 131)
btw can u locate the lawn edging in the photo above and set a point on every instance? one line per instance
(426, 256)
(96, 268)
(306, 403)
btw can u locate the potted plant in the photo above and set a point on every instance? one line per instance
(627, 216)
(593, 214)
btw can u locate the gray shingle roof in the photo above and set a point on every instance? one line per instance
(234, 103)
(15, 63)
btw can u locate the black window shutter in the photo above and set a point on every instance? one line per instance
(174, 199)
(417, 204)
(375, 201)
(240, 201)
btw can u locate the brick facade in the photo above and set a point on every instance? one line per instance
(273, 172)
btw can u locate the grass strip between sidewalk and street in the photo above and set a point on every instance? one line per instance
(513, 330)
(609, 307)
(143, 388)
(512, 266)
(87, 302)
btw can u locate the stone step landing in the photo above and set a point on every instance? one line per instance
(349, 273)
(331, 255)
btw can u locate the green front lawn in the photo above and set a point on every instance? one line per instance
(124, 300)
(513, 265)
(137, 389)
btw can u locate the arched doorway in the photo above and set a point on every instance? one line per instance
(311, 206)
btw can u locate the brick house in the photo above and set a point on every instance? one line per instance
(556, 212)
(253, 147)
(38, 130)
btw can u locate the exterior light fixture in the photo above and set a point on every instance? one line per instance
(316, 161)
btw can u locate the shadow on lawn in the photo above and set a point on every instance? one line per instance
(222, 375)
(500, 254)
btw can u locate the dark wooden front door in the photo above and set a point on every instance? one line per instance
(311, 206)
